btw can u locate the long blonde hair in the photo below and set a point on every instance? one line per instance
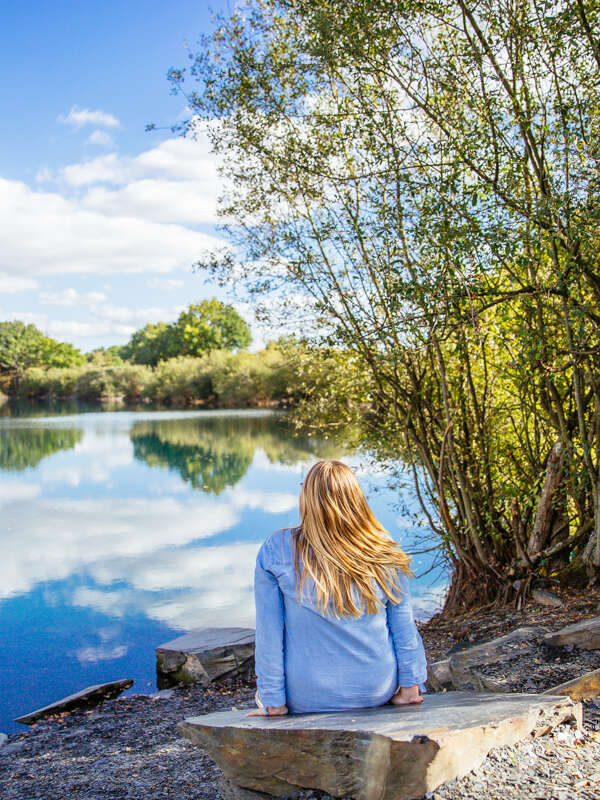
(342, 546)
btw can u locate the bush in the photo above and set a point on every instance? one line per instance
(182, 381)
(132, 381)
(220, 378)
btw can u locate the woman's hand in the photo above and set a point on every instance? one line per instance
(270, 711)
(406, 696)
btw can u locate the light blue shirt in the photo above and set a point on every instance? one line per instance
(314, 662)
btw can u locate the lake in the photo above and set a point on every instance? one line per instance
(121, 529)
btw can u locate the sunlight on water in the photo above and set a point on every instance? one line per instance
(121, 529)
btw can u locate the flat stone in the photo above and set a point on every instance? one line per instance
(547, 598)
(90, 696)
(462, 665)
(205, 656)
(385, 753)
(585, 635)
(503, 648)
(586, 686)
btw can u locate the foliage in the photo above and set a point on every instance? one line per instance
(211, 325)
(420, 181)
(106, 355)
(202, 328)
(217, 378)
(23, 346)
(153, 343)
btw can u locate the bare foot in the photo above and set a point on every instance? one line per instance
(407, 696)
(277, 711)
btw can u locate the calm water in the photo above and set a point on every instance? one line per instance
(119, 530)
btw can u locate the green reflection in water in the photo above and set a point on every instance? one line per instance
(22, 448)
(215, 452)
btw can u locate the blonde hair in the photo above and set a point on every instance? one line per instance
(342, 546)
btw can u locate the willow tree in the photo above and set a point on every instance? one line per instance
(417, 183)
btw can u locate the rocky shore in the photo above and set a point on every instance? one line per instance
(130, 747)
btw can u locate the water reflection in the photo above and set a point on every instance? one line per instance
(118, 530)
(215, 453)
(21, 448)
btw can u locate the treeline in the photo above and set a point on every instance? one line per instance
(199, 359)
(216, 379)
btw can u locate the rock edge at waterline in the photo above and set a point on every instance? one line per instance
(90, 696)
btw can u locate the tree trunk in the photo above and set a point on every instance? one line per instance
(551, 522)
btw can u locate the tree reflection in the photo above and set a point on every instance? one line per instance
(214, 452)
(22, 448)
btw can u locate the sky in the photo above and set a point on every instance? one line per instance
(101, 221)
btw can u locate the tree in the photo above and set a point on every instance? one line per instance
(23, 346)
(153, 343)
(419, 179)
(209, 325)
(112, 356)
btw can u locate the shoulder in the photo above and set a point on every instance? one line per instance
(277, 549)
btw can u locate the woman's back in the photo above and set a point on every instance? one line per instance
(312, 660)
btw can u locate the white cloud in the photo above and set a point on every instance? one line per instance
(112, 214)
(77, 117)
(176, 181)
(71, 297)
(10, 284)
(101, 138)
(44, 233)
(139, 315)
(177, 159)
(165, 284)
(105, 319)
(186, 202)
(72, 329)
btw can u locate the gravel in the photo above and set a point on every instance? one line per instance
(130, 747)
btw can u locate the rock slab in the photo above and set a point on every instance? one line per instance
(385, 753)
(462, 665)
(205, 656)
(582, 688)
(584, 634)
(90, 696)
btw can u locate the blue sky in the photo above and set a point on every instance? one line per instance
(100, 221)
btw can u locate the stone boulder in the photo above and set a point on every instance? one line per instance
(204, 656)
(90, 696)
(585, 635)
(582, 688)
(385, 753)
(547, 599)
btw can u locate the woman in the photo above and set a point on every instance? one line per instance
(334, 625)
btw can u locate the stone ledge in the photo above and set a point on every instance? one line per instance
(386, 753)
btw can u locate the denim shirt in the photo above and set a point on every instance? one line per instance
(311, 661)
